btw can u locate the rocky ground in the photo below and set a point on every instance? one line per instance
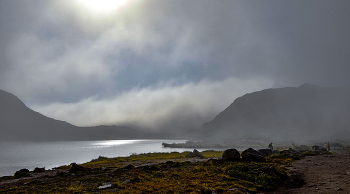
(8, 180)
(312, 174)
(320, 174)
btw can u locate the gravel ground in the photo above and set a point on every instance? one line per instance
(321, 174)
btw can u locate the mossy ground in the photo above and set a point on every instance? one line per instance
(180, 176)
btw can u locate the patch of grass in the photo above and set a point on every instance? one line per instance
(102, 161)
(262, 176)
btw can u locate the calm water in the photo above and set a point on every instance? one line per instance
(15, 156)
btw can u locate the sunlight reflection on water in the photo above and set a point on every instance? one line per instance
(110, 143)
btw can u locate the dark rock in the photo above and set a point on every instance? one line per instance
(195, 153)
(315, 148)
(38, 170)
(22, 173)
(231, 155)
(252, 155)
(265, 152)
(75, 167)
(23, 170)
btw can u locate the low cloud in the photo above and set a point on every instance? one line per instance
(164, 107)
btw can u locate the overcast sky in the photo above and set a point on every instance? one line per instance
(165, 64)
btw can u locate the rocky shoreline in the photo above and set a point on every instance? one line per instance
(219, 144)
(250, 171)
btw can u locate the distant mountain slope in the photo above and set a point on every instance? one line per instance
(19, 123)
(307, 112)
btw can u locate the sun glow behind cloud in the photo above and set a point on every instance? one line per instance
(102, 6)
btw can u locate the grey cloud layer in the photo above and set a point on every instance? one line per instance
(57, 52)
(165, 107)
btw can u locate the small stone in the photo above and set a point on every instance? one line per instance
(338, 189)
(105, 186)
(317, 188)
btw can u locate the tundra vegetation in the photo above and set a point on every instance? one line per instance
(163, 173)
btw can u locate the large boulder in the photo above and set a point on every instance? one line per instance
(231, 155)
(252, 155)
(194, 154)
(22, 173)
(38, 170)
(75, 167)
(315, 148)
(265, 152)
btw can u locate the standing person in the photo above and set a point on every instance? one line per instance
(270, 146)
(328, 147)
(325, 145)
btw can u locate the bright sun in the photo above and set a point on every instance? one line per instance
(102, 5)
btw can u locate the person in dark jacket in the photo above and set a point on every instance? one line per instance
(270, 146)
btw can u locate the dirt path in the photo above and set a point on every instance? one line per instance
(322, 174)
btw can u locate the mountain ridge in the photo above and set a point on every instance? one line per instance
(20, 123)
(307, 112)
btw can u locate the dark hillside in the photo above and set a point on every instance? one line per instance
(304, 113)
(19, 123)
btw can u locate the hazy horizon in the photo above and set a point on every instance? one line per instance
(165, 65)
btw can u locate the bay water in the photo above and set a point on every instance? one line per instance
(17, 155)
